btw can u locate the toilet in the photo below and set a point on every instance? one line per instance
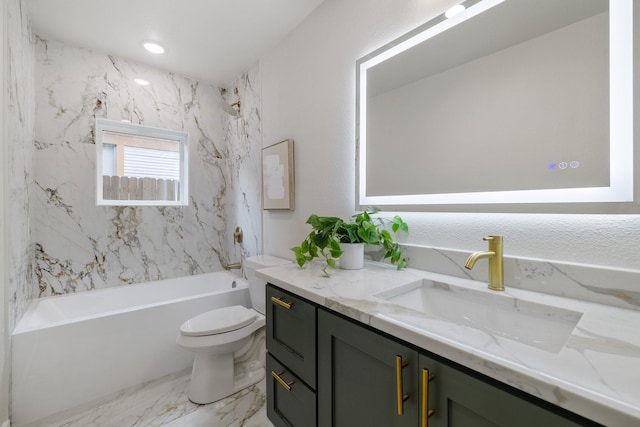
(229, 342)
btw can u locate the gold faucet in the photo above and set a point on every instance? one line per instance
(234, 266)
(496, 272)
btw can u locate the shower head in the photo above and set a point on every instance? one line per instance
(232, 110)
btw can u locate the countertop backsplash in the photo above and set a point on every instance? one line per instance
(593, 283)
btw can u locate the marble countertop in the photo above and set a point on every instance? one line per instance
(595, 373)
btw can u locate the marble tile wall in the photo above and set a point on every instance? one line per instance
(244, 151)
(80, 246)
(19, 121)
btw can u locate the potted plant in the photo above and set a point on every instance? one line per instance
(331, 235)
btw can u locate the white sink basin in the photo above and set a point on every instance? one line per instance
(538, 325)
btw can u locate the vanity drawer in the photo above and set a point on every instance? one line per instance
(291, 333)
(291, 403)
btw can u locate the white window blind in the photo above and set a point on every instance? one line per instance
(147, 162)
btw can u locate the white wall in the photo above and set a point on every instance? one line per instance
(308, 87)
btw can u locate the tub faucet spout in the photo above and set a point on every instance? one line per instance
(234, 266)
(494, 254)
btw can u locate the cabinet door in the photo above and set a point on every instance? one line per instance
(357, 378)
(458, 399)
(289, 401)
(291, 333)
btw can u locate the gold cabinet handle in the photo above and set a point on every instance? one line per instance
(401, 397)
(425, 412)
(283, 383)
(281, 303)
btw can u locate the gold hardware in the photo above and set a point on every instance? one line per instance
(495, 255)
(283, 383)
(235, 265)
(237, 235)
(426, 412)
(401, 397)
(281, 303)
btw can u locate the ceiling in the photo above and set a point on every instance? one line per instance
(209, 40)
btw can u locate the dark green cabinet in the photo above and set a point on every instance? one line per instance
(290, 401)
(327, 370)
(359, 383)
(459, 399)
(291, 359)
(291, 333)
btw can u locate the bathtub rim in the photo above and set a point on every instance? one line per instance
(23, 326)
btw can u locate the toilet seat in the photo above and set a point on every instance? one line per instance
(218, 321)
(214, 342)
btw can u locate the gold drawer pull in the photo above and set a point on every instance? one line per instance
(425, 412)
(401, 397)
(283, 383)
(281, 303)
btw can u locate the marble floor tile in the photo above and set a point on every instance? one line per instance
(164, 402)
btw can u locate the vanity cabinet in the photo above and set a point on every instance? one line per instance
(291, 359)
(357, 380)
(368, 378)
(455, 398)
(290, 402)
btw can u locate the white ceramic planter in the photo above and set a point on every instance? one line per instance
(352, 257)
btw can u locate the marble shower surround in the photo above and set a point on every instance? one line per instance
(244, 143)
(19, 121)
(80, 246)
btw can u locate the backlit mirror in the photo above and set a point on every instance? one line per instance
(509, 101)
(140, 165)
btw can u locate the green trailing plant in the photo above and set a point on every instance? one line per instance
(328, 232)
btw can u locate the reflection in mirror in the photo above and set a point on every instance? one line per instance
(510, 101)
(140, 165)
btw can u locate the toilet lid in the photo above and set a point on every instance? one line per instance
(218, 321)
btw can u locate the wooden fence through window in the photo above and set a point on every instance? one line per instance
(131, 188)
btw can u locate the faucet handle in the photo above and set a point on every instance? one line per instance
(496, 273)
(495, 245)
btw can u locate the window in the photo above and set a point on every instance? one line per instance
(140, 165)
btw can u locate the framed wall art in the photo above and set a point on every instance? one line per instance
(278, 176)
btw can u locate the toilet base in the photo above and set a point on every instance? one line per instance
(210, 385)
(216, 376)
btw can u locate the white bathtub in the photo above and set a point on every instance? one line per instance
(71, 350)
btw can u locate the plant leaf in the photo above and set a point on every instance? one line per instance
(320, 240)
(334, 249)
(300, 258)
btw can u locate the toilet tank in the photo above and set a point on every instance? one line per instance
(257, 285)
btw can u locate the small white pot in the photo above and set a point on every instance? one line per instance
(352, 257)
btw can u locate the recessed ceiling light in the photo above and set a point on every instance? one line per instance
(142, 82)
(453, 11)
(153, 47)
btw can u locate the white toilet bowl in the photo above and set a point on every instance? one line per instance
(228, 342)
